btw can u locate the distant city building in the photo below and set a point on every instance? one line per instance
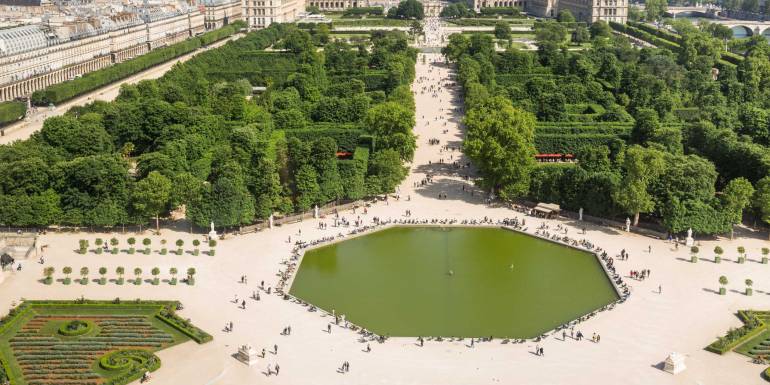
(64, 47)
(262, 13)
(338, 5)
(587, 11)
(219, 13)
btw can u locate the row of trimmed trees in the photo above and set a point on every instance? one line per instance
(718, 251)
(723, 282)
(49, 271)
(101, 246)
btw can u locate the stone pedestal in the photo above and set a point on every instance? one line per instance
(689, 242)
(674, 363)
(247, 355)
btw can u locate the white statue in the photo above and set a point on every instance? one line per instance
(212, 233)
(689, 242)
(689, 233)
(674, 363)
(580, 213)
(315, 212)
(628, 224)
(247, 355)
(270, 220)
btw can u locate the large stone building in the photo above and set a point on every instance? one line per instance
(584, 10)
(219, 13)
(261, 13)
(35, 56)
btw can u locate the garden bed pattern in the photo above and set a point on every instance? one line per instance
(45, 359)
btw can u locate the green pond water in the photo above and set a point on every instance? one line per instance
(454, 281)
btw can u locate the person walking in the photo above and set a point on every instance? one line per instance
(269, 371)
(277, 369)
(275, 349)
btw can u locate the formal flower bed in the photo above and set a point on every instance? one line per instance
(88, 343)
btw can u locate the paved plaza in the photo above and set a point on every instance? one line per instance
(636, 336)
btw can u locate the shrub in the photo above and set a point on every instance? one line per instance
(131, 243)
(11, 112)
(83, 246)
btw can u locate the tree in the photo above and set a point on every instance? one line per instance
(655, 9)
(647, 123)
(120, 270)
(581, 35)
(84, 274)
(502, 30)
(736, 197)
(415, 29)
(102, 272)
(748, 283)
(600, 29)
(307, 188)
(722, 282)
(173, 271)
(762, 198)
(48, 273)
(500, 141)
(155, 271)
(565, 16)
(408, 9)
(67, 271)
(641, 166)
(138, 273)
(151, 196)
(191, 273)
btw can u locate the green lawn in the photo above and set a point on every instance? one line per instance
(33, 351)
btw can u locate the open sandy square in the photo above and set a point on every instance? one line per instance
(636, 336)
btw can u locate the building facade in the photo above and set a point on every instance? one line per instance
(33, 57)
(587, 11)
(261, 13)
(219, 13)
(338, 5)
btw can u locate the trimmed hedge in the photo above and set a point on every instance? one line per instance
(12, 111)
(561, 143)
(65, 330)
(185, 327)
(512, 11)
(373, 11)
(746, 332)
(58, 93)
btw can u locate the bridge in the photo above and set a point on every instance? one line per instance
(701, 11)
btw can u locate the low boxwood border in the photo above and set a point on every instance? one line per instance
(744, 316)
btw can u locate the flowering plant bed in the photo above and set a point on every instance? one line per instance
(88, 342)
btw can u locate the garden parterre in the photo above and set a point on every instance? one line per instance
(35, 351)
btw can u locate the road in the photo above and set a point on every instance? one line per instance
(34, 121)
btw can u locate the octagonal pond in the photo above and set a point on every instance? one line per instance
(453, 281)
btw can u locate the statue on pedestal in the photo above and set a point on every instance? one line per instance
(689, 241)
(580, 214)
(270, 220)
(628, 224)
(212, 233)
(247, 355)
(315, 212)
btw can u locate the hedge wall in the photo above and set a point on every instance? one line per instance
(58, 93)
(346, 138)
(11, 112)
(374, 11)
(560, 143)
